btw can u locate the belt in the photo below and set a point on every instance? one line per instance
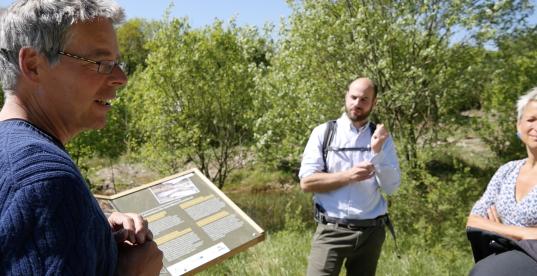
(321, 217)
(356, 224)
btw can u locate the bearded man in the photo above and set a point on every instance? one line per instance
(346, 164)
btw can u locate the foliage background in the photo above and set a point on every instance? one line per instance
(239, 104)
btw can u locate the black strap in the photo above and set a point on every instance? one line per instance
(331, 127)
(392, 231)
(372, 127)
(330, 148)
(328, 136)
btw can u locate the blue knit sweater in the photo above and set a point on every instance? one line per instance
(50, 224)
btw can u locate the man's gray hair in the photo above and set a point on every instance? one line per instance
(44, 25)
(524, 100)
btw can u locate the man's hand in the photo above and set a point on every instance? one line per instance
(378, 138)
(361, 171)
(141, 259)
(129, 227)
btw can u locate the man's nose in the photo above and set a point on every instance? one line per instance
(117, 77)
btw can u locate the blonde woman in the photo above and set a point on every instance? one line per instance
(509, 205)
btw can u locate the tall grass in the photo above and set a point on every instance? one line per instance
(285, 253)
(418, 261)
(287, 218)
(282, 253)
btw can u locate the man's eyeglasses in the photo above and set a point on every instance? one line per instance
(105, 66)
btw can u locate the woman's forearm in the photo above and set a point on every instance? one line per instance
(511, 231)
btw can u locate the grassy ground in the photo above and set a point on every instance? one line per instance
(286, 249)
(282, 253)
(286, 252)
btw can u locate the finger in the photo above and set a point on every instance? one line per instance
(140, 228)
(149, 234)
(129, 225)
(115, 221)
(495, 214)
(490, 215)
(382, 135)
(360, 171)
(379, 128)
(382, 131)
(370, 168)
(120, 235)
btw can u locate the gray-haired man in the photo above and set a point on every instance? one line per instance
(59, 70)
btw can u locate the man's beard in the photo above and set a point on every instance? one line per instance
(358, 118)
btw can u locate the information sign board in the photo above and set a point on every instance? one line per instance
(194, 223)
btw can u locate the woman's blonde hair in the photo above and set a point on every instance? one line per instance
(524, 100)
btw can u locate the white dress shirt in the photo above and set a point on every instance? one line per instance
(361, 199)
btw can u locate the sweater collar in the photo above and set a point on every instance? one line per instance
(47, 135)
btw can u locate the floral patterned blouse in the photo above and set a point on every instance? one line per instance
(501, 193)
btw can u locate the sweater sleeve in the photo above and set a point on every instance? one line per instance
(52, 227)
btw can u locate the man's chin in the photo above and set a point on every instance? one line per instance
(98, 124)
(101, 126)
(356, 119)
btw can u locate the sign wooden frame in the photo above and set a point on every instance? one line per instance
(187, 212)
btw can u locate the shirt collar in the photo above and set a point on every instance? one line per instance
(345, 121)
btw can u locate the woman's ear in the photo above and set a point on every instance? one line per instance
(518, 129)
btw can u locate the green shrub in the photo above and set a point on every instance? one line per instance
(435, 199)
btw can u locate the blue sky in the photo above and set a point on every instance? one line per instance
(203, 12)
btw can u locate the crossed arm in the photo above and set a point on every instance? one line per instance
(492, 222)
(484, 215)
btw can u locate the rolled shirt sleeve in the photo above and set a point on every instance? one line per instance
(312, 159)
(387, 171)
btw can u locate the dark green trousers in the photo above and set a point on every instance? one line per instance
(331, 245)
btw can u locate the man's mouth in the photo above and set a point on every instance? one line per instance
(103, 102)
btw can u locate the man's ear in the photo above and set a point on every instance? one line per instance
(29, 63)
